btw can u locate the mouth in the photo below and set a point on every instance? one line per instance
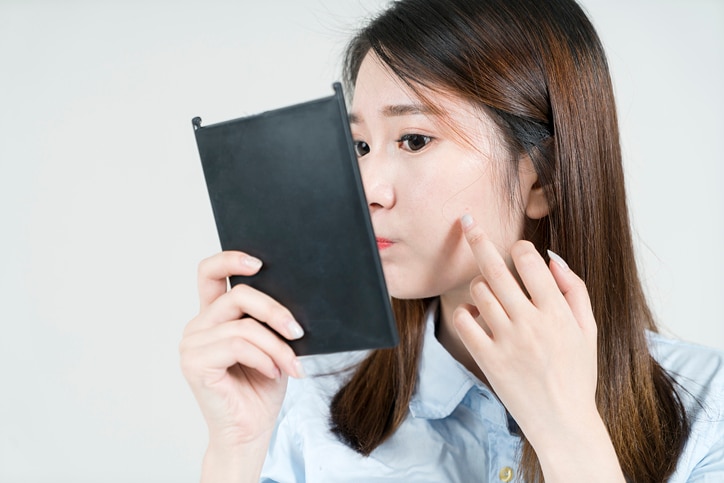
(383, 243)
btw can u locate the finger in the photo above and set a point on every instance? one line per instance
(215, 270)
(574, 291)
(488, 307)
(247, 328)
(243, 300)
(244, 342)
(535, 275)
(494, 269)
(473, 336)
(216, 357)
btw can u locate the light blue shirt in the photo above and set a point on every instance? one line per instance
(458, 431)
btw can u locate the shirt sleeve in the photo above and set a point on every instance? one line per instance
(301, 442)
(699, 373)
(708, 439)
(285, 459)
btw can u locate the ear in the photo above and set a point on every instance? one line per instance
(536, 204)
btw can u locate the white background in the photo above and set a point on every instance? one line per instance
(104, 213)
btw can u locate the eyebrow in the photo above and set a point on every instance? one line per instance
(396, 111)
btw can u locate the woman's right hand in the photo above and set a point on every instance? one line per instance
(236, 366)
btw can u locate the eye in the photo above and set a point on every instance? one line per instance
(414, 142)
(361, 148)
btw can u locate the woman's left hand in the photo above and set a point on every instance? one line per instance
(537, 350)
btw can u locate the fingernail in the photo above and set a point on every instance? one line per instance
(299, 369)
(557, 258)
(294, 330)
(466, 221)
(252, 262)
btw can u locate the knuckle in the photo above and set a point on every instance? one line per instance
(237, 344)
(458, 313)
(522, 247)
(187, 366)
(183, 346)
(476, 237)
(243, 327)
(204, 266)
(525, 254)
(478, 288)
(240, 291)
(186, 361)
(281, 316)
(487, 305)
(190, 328)
(527, 260)
(265, 308)
(495, 270)
(228, 257)
(484, 299)
(201, 268)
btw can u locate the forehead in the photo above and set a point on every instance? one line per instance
(379, 95)
(377, 84)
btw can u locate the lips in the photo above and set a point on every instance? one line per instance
(383, 243)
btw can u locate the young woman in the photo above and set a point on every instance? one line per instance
(486, 134)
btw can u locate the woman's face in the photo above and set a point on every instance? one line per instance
(420, 177)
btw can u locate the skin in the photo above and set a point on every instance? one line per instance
(434, 191)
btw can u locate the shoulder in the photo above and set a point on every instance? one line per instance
(699, 373)
(302, 428)
(698, 369)
(325, 375)
(328, 371)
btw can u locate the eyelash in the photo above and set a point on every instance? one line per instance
(408, 137)
(361, 148)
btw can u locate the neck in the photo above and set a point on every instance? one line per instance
(448, 336)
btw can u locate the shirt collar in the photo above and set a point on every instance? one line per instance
(442, 382)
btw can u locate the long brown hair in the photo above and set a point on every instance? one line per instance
(538, 69)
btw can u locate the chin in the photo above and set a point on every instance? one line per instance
(410, 293)
(409, 285)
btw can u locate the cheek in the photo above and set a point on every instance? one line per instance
(488, 202)
(473, 193)
(446, 190)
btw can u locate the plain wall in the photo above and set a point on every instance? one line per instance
(105, 215)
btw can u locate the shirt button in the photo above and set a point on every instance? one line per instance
(506, 474)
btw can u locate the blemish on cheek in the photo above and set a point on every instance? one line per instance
(461, 202)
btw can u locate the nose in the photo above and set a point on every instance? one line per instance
(377, 179)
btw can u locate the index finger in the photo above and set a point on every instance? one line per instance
(214, 271)
(493, 267)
